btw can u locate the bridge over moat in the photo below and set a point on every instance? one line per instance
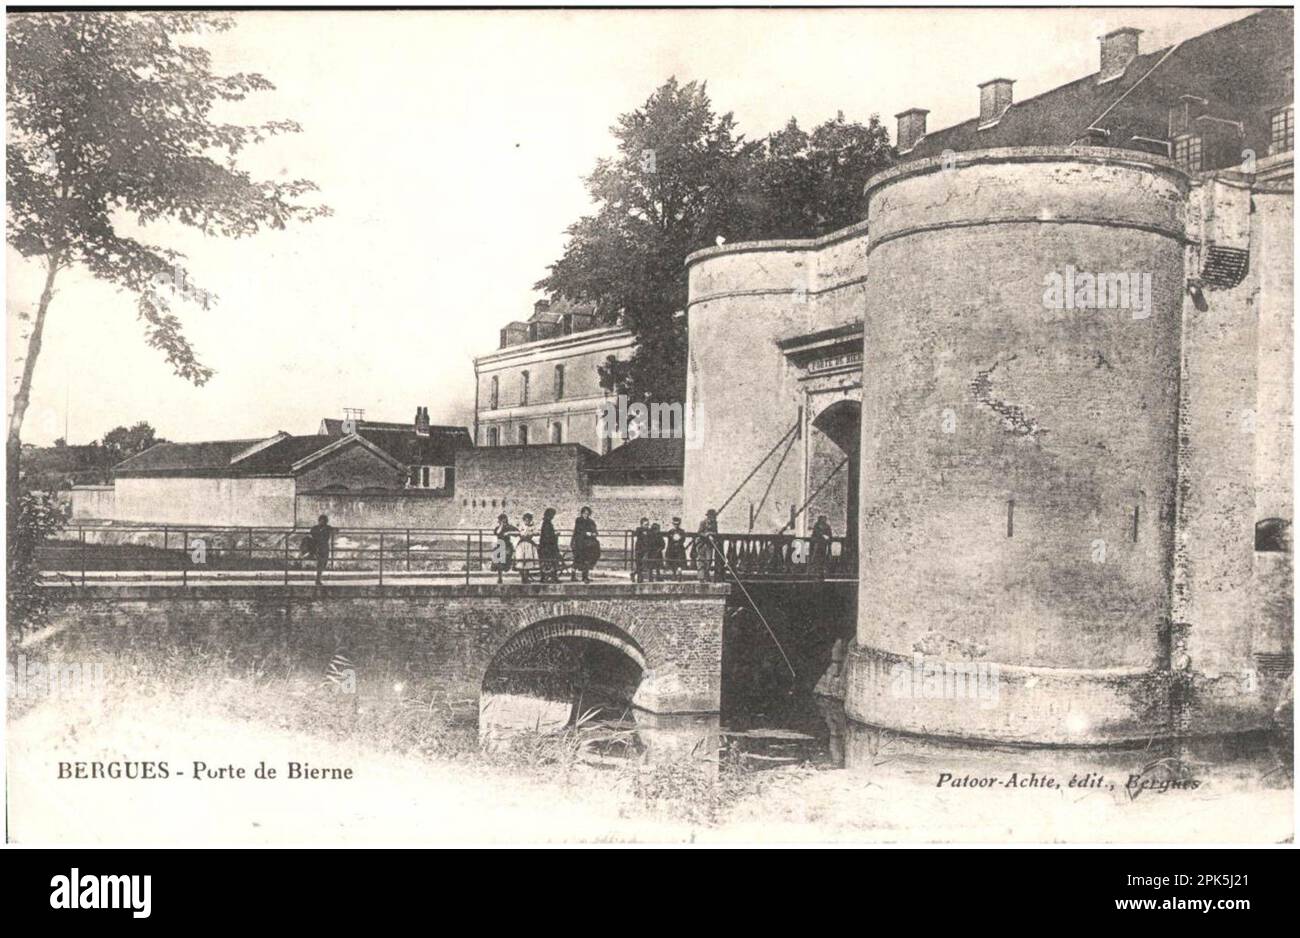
(431, 634)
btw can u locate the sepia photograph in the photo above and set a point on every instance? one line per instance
(733, 426)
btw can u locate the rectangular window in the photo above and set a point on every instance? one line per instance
(559, 382)
(523, 435)
(1187, 152)
(1281, 130)
(493, 437)
(557, 433)
(523, 387)
(494, 399)
(428, 477)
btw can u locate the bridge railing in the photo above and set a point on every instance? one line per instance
(90, 552)
(780, 556)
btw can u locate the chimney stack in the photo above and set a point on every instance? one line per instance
(422, 421)
(541, 306)
(1118, 48)
(995, 98)
(911, 128)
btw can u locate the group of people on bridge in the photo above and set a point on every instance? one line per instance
(657, 553)
(531, 549)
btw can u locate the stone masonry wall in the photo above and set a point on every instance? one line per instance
(429, 635)
(744, 298)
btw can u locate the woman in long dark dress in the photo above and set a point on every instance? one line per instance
(586, 546)
(655, 552)
(548, 547)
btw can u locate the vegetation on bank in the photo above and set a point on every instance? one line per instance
(268, 687)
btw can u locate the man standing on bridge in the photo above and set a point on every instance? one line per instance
(820, 538)
(322, 540)
(708, 550)
(640, 549)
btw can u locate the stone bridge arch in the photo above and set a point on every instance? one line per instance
(596, 630)
(643, 636)
(676, 646)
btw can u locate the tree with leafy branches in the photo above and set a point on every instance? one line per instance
(672, 188)
(684, 179)
(804, 185)
(121, 442)
(110, 130)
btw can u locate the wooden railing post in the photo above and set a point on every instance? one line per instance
(185, 560)
(469, 545)
(81, 533)
(381, 558)
(286, 557)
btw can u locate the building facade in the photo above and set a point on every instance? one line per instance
(282, 480)
(1073, 398)
(542, 386)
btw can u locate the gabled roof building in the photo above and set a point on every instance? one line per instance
(257, 482)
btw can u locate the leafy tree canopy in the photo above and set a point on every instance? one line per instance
(683, 178)
(109, 115)
(121, 442)
(110, 122)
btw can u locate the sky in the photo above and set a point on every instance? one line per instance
(451, 147)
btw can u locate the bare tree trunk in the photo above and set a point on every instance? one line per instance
(23, 396)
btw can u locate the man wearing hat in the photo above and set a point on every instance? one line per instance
(708, 552)
(675, 553)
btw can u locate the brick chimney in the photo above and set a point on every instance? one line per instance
(995, 98)
(422, 421)
(1118, 48)
(911, 128)
(541, 306)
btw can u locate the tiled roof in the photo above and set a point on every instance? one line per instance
(1236, 68)
(646, 453)
(279, 458)
(410, 449)
(334, 425)
(401, 441)
(183, 457)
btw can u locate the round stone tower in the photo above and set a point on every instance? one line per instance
(1020, 446)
